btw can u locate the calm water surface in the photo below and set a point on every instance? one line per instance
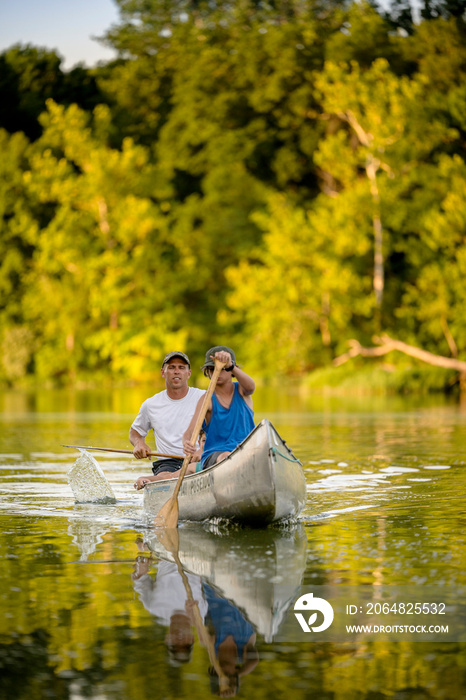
(92, 605)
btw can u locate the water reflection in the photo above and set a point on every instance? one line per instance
(181, 601)
(228, 586)
(383, 508)
(87, 536)
(258, 570)
(234, 644)
(171, 599)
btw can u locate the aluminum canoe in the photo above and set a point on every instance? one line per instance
(259, 483)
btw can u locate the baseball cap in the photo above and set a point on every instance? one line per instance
(209, 361)
(170, 355)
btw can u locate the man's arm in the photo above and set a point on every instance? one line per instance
(141, 448)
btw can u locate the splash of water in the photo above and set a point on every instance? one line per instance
(88, 482)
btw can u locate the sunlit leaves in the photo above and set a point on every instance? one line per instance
(239, 184)
(306, 288)
(100, 247)
(438, 299)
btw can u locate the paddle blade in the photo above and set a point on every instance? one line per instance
(168, 514)
(169, 540)
(88, 481)
(167, 517)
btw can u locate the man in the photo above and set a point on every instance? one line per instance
(229, 417)
(168, 414)
(166, 597)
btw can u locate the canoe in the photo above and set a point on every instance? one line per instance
(258, 571)
(259, 483)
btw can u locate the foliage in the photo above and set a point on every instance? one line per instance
(199, 190)
(29, 76)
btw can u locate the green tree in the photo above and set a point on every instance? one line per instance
(255, 167)
(18, 237)
(433, 9)
(214, 91)
(378, 177)
(305, 288)
(99, 276)
(438, 51)
(29, 76)
(433, 308)
(386, 131)
(363, 36)
(228, 122)
(399, 15)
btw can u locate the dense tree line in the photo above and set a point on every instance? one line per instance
(283, 176)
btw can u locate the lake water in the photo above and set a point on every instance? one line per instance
(93, 605)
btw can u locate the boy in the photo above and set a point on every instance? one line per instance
(229, 417)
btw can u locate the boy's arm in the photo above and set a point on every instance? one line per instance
(188, 447)
(246, 383)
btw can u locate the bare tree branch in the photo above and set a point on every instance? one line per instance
(387, 344)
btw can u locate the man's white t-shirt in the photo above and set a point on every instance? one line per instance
(168, 418)
(166, 594)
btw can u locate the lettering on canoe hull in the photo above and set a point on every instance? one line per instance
(200, 483)
(158, 489)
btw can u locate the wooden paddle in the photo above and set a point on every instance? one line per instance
(124, 452)
(168, 514)
(170, 540)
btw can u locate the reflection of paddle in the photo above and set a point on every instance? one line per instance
(168, 514)
(124, 452)
(169, 539)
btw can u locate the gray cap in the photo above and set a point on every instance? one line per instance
(170, 355)
(208, 359)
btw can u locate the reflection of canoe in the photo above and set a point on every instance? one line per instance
(259, 483)
(259, 571)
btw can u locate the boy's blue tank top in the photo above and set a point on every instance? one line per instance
(227, 426)
(227, 620)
